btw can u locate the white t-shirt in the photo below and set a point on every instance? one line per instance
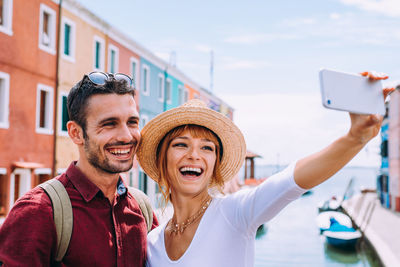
(226, 233)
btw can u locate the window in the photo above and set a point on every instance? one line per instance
(42, 175)
(6, 16)
(20, 183)
(160, 87)
(146, 80)
(44, 109)
(143, 182)
(4, 99)
(143, 120)
(135, 72)
(186, 96)
(63, 111)
(3, 190)
(168, 91)
(180, 95)
(68, 39)
(47, 29)
(112, 59)
(130, 173)
(98, 53)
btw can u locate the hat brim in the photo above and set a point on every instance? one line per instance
(233, 143)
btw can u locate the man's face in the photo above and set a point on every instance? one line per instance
(112, 128)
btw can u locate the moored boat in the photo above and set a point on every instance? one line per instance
(324, 221)
(342, 239)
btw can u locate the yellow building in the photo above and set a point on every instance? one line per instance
(83, 44)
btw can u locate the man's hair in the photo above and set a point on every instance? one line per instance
(80, 94)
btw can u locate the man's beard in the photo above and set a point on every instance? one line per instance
(92, 154)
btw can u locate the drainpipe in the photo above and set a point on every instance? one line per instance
(165, 88)
(55, 119)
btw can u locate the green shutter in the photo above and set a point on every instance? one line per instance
(65, 117)
(97, 59)
(67, 34)
(112, 69)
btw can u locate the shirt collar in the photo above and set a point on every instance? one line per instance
(121, 188)
(85, 187)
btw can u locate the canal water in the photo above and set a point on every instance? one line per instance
(292, 238)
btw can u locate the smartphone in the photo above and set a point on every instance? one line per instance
(351, 92)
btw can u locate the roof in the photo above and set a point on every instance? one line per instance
(27, 165)
(250, 154)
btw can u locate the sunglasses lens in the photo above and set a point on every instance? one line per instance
(123, 77)
(98, 78)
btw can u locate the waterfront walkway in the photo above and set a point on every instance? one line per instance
(378, 224)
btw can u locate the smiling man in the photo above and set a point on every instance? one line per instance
(108, 226)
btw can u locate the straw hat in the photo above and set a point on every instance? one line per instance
(193, 112)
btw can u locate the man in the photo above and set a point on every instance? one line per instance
(108, 226)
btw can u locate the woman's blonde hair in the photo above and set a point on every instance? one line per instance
(197, 132)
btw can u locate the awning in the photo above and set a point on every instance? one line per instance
(250, 154)
(26, 165)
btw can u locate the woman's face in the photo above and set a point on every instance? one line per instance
(190, 164)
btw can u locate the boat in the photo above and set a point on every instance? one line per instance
(334, 203)
(324, 220)
(341, 235)
(343, 239)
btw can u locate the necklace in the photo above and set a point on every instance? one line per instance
(178, 228)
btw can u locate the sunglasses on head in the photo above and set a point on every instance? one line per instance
(100, 78)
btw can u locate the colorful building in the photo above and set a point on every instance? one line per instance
(28, 67)
(193, 93)
(383, 177)
(393, 184)
(83, 47)
(41, 60)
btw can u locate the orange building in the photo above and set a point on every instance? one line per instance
(83, 47)
(192, 92)
(28, 34)
(44, 51)
(87, 43)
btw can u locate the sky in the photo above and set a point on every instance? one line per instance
(267, 55)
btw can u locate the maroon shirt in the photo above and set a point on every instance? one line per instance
(102, 235)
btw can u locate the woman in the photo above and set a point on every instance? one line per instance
(190, 149)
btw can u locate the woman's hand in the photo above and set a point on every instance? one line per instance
(376, 76)
(316, 168)
(365, 127)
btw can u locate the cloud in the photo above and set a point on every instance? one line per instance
(244, 64)
(335, 16)
(334, 29)
(300, 21)
(259, 38)
(163, 55)
(386, 7)
(202, 48)
(291, 126)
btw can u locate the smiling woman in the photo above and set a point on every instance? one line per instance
(192, 148)
(189, 141)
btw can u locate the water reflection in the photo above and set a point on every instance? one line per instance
(293, 238)
(339, 255)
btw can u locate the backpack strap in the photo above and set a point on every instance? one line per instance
(144, 204)
(62, 214)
